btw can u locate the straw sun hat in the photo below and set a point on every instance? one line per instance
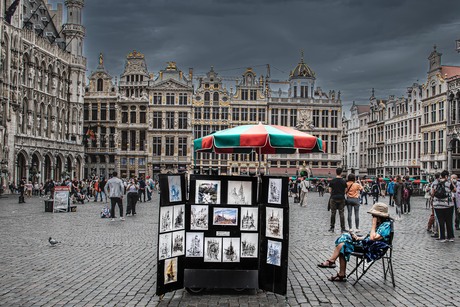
(379, 209)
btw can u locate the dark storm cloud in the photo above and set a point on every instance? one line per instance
(352, 45)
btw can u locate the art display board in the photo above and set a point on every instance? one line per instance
(171, 233)
(61, 200)
(274, 230)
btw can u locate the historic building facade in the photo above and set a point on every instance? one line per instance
(42, 75)
(453, 123)
(357, 139)
(376, 141)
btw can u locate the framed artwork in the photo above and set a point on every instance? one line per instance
(178, 217)
(194, 244)
(239, 193)
(207, 192)
(274, 191)
(164, 246)
(166, 218)
(249, 218)
(170, 271)
(212, 249)
(274, 252)
(249, 245)
(199, 217)
(225, 216)
(178, 243)
(274, 222)
(175, 188)
(230, 249)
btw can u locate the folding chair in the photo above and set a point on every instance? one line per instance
(386, 261)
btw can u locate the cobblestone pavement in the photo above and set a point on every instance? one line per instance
(103, 263)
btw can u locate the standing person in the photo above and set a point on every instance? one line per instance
(375, 190)
(366, 191)
(432, 220)
(397, 197)
(97, 190)
(337, 201)
(407, 194)
(21, 188)
(102, 184)
(320, 188)
(304, 186)
(114, 188)
(352, 202)
(150, 185)
(142, 186)
(391, 191)
(132, 192)
(456, 199)
(444, 207)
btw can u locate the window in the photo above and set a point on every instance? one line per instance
(169, 120)
(182, 149)
(293, 120)
(124, 161)
(103, 111)
(236, 114)
(124, 117)
(132, 161)
(284, 117)
(215, 113)
(183, 99)
(182, 120)
(325, 139)
(197, 113)
(112, 113)
(170, 98)
(111, 138)
(142, 117)
(262, 115)
(426, 118)
(244, 114)
(100, 85)
(304, 91)
(215, 97)
(156, 98)
(142, 140)
(157, 120)
(433, 90)
(94, 112)
(295, 91)
(156, 146)
(124, 140)
(274, 119)
(253, 95)
(334, 119)
(206, 113)
(132, 117)
(244, 94)
(433, 142)
(207, 98)
(133, 140)
(85, 112)
(141, 161)
(253, 114)
(224, 114)
(440, 141)
(169, 148)
(316, 118)
(325, 118)
(433, 113)
(102, 135)
(441, 111)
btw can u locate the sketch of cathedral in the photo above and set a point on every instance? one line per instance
(165, 221)
(199, 218)
(273, 224)
(213, 250)
(230, 253)
(273, 254)
(195, 248)
(248, 221)
(164, 251)
(179, 220)
(178, 244)
(248, 249)
(238, 196)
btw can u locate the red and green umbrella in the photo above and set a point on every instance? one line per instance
(262, 139)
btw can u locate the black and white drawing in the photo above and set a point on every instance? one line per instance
(178, 243)
(249, 245)
(194, 244)
(249, 218)
(164, 246)
(207, 192)
(239, 193)
(274, 191)
(170, 273)
(199, 217)
(230, 249)
(225, 216)
(166, 218)
(175, 190)
(212, 249)
(274, 222)
(274, 252)
(179, 217)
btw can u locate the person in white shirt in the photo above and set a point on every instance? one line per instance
(115, 189)
(304, 186)
(132, 189)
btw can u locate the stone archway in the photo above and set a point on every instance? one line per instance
(68, 167)
(78, 168)
(58, 169)
(34, 171)
(21, 166)
(47, 168)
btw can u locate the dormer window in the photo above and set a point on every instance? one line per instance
(100, 85)
(206, 85)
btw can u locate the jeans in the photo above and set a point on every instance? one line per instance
(337, 204)
(140, 193)
(100, 193)
(445, 222)
(392, 200)
(375, 197)
(149, 195)
(363, 195)
(132, 200)
(350, 209)
(113, 202)
(406, 205)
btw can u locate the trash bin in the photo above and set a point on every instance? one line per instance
(48, 205)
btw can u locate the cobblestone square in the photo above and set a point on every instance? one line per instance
(104, 263)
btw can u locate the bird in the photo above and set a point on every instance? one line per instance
(53, 242)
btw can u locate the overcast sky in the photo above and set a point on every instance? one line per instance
(352, 45)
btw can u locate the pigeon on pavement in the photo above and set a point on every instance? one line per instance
(53, 242)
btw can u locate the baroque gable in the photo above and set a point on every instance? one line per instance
(170, 84)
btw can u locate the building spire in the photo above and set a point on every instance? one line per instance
(301, 55)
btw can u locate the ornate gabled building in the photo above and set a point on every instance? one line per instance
(453, 123)
(376, 141)
(42, 75)
(356, 150)
(211, 109)
(170, 115)
(310, 110)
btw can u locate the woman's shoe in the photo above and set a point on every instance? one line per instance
(337, 278)
(327, 264)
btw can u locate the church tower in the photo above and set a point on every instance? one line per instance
(73, 29)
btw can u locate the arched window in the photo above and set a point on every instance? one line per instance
(100, 85)
(215, 97)
(207, 97)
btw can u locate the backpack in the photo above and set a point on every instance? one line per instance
(440, 191)
(375, 189)
(391, 188)
(406, 193)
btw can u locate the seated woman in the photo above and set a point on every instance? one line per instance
(373, 245)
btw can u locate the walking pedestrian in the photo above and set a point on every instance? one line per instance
(407, 194)
(352, 201)
(397, 196)
(21, 188)
(375, 190)
(391, 191)
(304, 186)
(444, 207)
(142, 186)
(132, 191)
(432, 220)
(114, 188)
(337, 201)
(150, 184)
(456, 200)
